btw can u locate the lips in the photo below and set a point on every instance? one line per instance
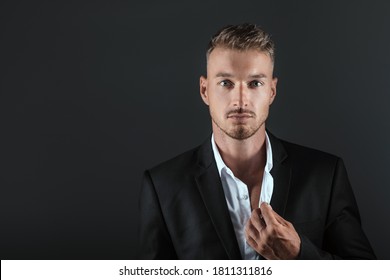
(240, 116)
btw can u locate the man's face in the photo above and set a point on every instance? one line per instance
(239, 89)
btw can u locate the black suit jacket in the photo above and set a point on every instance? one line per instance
(184, 215)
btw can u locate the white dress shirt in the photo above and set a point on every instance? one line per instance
(237, 196)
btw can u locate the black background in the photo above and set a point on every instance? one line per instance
(92, 93)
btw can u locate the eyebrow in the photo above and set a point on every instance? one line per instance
(258, 76)
(228, 75)
(224, 75)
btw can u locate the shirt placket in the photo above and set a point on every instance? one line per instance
(245, 211)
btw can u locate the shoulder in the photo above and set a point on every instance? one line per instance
(307, 153)
(184, 165)
(178, 174)
(312, 171)
(302, 156)
(179, 163)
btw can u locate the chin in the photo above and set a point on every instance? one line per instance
(241, 133)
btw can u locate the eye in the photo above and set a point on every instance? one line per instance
(254, 84)
(226, 83)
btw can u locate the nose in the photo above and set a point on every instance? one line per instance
(241, 96)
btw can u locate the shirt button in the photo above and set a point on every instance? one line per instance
(245, 197)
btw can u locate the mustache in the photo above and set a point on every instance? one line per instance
(240, 111)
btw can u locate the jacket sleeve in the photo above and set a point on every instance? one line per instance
(343, 235)
(154, 239)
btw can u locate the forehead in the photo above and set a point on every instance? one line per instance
(239, 62)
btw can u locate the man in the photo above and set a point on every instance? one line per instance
(245, 194)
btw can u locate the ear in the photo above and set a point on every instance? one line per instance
(203, 89)
(273, 89)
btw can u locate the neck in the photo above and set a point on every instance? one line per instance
(246, 158)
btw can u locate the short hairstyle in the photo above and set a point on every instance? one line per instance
(242, 37)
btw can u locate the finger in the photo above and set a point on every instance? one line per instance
(257, 219)
(251, 231)
(280, 219)
(251, 242)
(268, 214)
(266, 251)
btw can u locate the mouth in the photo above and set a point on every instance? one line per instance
(239, 116)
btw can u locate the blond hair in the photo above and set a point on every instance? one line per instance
(242, 37)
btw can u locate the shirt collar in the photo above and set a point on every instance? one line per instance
(221, 164)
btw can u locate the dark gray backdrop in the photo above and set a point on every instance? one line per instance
(93, 93)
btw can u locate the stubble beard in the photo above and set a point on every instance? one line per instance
(239, 131)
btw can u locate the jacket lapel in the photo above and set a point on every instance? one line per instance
(211, 190)
(281, 173)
